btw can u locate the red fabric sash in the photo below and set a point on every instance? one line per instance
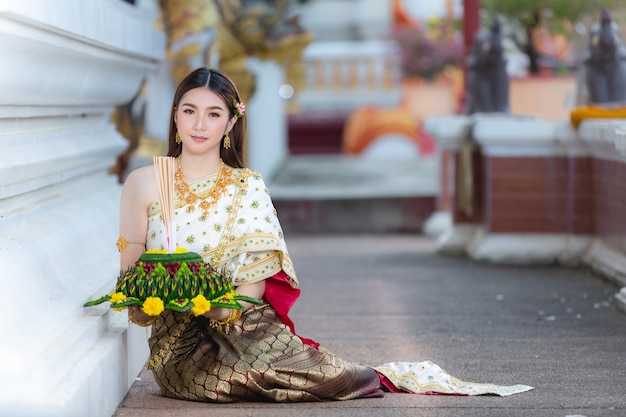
(282, 296)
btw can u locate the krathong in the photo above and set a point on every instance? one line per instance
(179, 281)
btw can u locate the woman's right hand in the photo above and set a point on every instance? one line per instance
(137, 314)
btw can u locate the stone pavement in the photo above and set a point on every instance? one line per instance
(377, 298)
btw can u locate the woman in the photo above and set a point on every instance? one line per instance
(223, 211)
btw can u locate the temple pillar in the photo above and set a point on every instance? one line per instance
(535, 191)
(605, 141)
(513, 187)
(449, 132)
(545, 193)
(267, 119)
(66, 66)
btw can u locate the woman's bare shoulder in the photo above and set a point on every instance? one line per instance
(142, 172)
(142, 181)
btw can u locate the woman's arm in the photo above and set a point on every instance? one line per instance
(137, 194)
(134, 215)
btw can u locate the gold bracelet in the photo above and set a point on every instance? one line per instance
(122, 244)
(131, 319)
(224, 325)
(233, 316)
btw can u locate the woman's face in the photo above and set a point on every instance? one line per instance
(202, 119)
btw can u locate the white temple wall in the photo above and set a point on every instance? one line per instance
(66, 65)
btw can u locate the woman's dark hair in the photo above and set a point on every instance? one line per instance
(221, 85)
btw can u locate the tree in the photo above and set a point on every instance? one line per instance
(525, 16)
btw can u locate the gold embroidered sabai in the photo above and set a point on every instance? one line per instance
(207, 199)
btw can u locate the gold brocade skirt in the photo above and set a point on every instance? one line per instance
(259, 359)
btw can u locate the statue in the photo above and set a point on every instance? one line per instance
(487, 79)
(487, 91)
(604, 63)
(221, 34)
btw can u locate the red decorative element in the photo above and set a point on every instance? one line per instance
(282, 296)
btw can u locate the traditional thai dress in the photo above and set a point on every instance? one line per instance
(229, 219)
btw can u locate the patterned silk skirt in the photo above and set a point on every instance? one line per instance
(258, 359)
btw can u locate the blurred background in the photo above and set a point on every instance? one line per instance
(335, 85)
(364, 116)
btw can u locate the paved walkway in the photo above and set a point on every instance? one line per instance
(379, 298)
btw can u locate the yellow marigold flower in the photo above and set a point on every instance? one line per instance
(153, 306)
(116, 298)
(180, 250)
(161, 251)
(200, 305)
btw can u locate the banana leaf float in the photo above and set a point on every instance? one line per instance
(179, 281)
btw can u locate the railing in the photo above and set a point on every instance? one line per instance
(344, 75)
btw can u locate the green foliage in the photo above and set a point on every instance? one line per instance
(522, 17)
(526, 10)
(427, 53)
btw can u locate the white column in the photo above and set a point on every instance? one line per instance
(449, 132)
(267, 119)
(66, 65)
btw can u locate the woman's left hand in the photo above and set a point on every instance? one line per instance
(256, 290)
(219, 314)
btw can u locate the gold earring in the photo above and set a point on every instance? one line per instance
(226, 141)
(178, 139)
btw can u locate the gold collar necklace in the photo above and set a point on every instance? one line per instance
(207, 199)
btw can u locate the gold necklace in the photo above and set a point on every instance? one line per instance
(207, 199)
